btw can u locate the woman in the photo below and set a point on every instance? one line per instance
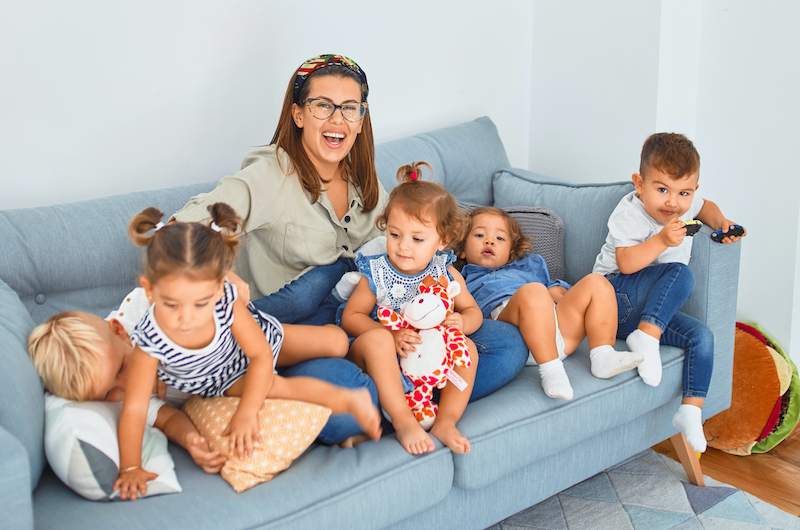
(308, 200)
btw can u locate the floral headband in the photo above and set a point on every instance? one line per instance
(320, 61)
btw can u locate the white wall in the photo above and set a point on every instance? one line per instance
(725, 72)
(108, 97)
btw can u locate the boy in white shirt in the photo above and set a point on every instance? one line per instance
(646, 257)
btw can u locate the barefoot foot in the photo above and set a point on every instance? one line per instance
(449, 435)
(354, 441)
(364, 411)
(413, 437)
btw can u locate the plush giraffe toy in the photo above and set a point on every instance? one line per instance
(441, 349)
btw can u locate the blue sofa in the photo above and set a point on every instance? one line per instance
(525, 446)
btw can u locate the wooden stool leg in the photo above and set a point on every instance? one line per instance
(688, 458)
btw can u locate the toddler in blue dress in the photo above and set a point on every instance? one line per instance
(515, 287)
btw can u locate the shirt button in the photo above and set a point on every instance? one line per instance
(344, 247)
(346, 218)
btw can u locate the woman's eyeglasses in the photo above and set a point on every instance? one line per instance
(322, 109)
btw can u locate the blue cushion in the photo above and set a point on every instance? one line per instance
(21, 394)
(463, 158)
(584, 208)
(371, 485)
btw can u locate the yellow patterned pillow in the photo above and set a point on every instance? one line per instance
(287, 429)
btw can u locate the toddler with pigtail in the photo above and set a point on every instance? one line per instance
(421, 219)
(199, 337)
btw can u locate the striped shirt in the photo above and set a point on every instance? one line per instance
(211, 370)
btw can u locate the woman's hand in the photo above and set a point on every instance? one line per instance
(454, 320)
(242, 289)
(404, 340)
(243, 431)
(133, 483)
(209, 461)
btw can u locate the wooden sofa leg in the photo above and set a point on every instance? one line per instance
(688, 458)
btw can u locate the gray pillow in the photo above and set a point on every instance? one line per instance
(546, 230)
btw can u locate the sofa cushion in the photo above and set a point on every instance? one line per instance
(518, 424)
(83, 450)
(22, 413)
(370, 486)
(463, 157)
(587, 206)
(287, 427)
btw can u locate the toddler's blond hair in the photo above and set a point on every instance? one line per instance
(65, 351)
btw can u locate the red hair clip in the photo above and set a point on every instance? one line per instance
(413, 176)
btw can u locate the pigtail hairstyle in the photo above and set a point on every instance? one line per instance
(427, 202)
(193, 249)
(520, 243)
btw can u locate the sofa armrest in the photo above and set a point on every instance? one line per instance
(716, 270)
(16, 503)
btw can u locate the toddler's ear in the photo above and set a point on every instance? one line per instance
(117, 329)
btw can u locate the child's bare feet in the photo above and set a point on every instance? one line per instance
(449, 435)
(366, 414)
(413, 437)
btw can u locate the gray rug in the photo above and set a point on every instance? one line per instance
(650, 492)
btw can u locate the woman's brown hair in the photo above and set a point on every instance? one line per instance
(192, 249)
(520, 243)
(424, 201)
(359, 164)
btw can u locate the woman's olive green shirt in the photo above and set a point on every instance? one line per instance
(286, 234)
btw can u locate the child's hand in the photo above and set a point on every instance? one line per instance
(454, 320)
(243, 432)
(725, 225)
(242, 289)
(209, 461)
(160, 388)
(673, 233)
(132, 483)
(404, 340)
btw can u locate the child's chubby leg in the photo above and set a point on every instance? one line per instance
(452, 403)
(374, 352)
(590, 309)
(531, 310)
(301, 343)
(357, 402)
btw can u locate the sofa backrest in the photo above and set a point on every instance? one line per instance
(463, 158)
(584, 209)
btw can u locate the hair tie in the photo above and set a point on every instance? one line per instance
(159, 226)
(321, 61)
(413, 176)
(215, 227)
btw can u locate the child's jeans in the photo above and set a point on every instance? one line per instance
(654, 294)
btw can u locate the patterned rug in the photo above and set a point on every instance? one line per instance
(650, 492)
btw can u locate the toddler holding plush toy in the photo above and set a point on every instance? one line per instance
(420, 219)
(513, 286)
(646, 257)
(200, 338)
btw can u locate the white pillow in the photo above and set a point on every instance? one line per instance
(80, 441)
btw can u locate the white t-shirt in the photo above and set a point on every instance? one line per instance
(630, 224)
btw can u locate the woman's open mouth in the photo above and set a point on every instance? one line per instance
(333, 138)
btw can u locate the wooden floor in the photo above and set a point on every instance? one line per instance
(773, 477)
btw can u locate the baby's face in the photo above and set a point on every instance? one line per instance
(488, 243)
(665, 198)
(112, 369)
(410, 243)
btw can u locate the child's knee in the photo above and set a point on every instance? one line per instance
(683, 273)
(532, 293)
(336, 342)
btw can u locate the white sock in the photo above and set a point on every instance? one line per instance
(648, 346)
(689, 420)
(608, 362)
(554, 380)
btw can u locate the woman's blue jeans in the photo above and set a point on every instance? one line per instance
(655, 294)
(310, 300)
